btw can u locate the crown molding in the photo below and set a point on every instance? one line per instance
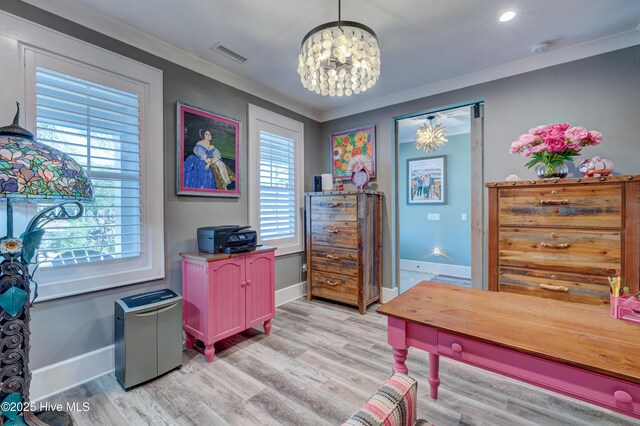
(543, 60)
(117, 30)
(124, 33)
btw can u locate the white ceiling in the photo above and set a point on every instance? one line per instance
(455, 121)
(423, 42)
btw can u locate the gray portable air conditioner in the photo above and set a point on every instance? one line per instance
(148, 336)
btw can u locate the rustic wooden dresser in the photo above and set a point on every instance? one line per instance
(562, 238)
(344, 246)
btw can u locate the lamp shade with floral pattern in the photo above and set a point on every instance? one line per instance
(30, 169)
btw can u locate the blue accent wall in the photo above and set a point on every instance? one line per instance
(419, 236)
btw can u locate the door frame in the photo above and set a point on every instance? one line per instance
(478, 197)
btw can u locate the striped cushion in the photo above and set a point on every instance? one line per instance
(394, 404)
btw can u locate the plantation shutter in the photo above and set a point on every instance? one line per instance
(277, 187)
(99, 126)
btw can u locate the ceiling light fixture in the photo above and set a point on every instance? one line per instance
(507, 16)
(339, 58)
(429, 137)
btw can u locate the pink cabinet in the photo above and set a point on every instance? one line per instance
(225, 294)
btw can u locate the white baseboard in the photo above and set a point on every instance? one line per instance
(389, 293)
(53, 379)
(58, 377)
(436, 268)
(293, 292)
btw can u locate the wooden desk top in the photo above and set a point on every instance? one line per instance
(574, 334)
(210, 257)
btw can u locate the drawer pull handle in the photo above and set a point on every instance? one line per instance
(334, 204)
(555, 288)
(332, 230)
(456, 348)
(622, 396)
(554, 202)
(332, 257)
(248, 282)
(555, 246)
(243, 284)
(332, 282)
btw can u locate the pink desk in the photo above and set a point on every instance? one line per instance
(569, 348)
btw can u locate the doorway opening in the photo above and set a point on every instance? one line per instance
(438, 216)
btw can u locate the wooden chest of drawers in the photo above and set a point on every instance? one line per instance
(344, 246)
(562, 238)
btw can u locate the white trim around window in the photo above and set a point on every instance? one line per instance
(276, 180)
(23, 45)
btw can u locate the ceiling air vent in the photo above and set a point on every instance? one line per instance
(218, 47)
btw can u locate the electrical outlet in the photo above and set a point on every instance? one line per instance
(304, 267)
(433, 216)
(464, 216)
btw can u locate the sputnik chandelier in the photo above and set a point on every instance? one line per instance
(339, 58)
(429, 137)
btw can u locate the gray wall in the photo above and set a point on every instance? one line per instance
(72, 326)
(419, 236)
(601, 93)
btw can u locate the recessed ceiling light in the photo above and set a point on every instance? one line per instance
(507, 16)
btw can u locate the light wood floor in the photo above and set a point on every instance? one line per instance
(321, 362)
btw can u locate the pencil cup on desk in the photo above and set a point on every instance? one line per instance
(613, 306)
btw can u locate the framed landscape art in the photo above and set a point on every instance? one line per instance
(426, 179)
(351, 148)
(208, 147)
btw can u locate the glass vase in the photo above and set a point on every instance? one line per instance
(548, 171)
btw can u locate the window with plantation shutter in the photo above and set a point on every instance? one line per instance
(277, 187)
(275, 180)
(106, 111)
(99, 127)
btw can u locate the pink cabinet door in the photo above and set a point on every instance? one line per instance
(226, 298)
(260, 289)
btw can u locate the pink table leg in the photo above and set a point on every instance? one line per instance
(267, 327)
(399, 356)
(189, 341)
(209, 350)
(434, 379)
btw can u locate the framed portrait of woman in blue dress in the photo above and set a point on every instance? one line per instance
(208, 146)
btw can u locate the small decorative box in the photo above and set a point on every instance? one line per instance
(626, 308)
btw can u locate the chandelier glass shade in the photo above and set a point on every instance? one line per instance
(430, 138)
(339, 58)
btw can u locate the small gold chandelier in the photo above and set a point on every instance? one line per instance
(429, 137)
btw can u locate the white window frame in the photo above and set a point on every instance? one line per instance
(20, 40)
(262, 119)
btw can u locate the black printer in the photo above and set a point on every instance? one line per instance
(227, 239)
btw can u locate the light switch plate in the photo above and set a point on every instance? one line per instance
(464, 216)
(433, 216)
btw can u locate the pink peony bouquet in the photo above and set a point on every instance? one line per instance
(552, 145)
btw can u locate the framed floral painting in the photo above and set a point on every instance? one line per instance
(208, 147)
(354, 147)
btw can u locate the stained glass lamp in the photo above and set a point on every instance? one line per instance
(34, 171)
